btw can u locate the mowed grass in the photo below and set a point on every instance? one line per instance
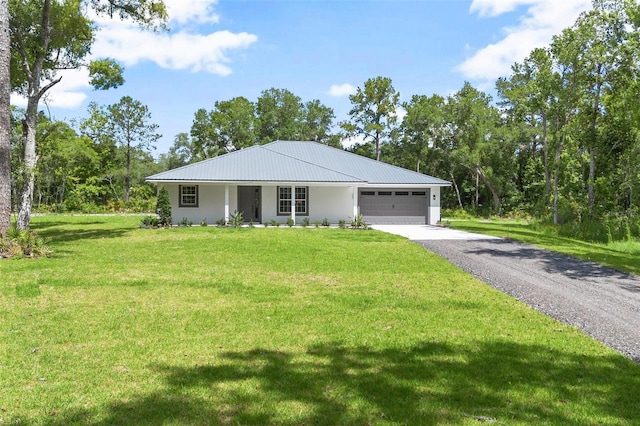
(621, 255)
(282, 326)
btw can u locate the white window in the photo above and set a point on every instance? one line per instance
(301, 200)
(188, 196)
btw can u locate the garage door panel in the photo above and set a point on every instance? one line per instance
(390, 206)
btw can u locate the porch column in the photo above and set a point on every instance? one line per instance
(293, 204)
(226, 204)
(354, 190)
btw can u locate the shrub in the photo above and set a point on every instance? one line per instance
(359, 223)
(305, 222)
(342, 224)
(149, 222)
(203, 222)
(24, 242)
(290, 222)
(235, 219)
(163, 208)
(325, 222)
(221, 222)
(185, 222)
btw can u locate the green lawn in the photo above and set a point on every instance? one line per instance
(282, 326)
(624, 256)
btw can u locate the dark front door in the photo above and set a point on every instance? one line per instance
(249, 203)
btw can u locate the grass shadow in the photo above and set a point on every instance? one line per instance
(60, 231)
(429, 383)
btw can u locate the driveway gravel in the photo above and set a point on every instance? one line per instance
(601, 301)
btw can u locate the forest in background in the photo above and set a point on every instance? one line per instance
(559, 142)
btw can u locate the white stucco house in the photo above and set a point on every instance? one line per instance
(300, 179)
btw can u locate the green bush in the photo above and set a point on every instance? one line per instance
(235, 219)
(305, 222)
(290, 222)
(359, 223)
(163, 208)
(24, 242)
(149, 222)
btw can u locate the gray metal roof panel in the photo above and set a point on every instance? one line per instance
(366, 169)
(254, 164)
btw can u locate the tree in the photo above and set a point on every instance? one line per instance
(421, 130)
(126, 124)
(474, 141)
(234, 124)
(373, 113)
(316, 124)
(48, 36)
(5, 120)
(163, 207)
(180, 154)
(279, 115)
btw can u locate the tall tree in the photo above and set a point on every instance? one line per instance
(131, 128)
(50, 35)
(317, 122)
(5, 120)
(234, 124)
(279, 115)
(373, 115)
(180, 154)
(203, 135)
(421, 129)
(473, 127)
(127, 124)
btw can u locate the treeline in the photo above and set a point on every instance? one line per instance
(560, 142)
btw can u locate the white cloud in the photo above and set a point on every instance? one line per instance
(185, 11)
(340, 90)
(542, 20)
(68, 93)
(496, 7)
(186, 47)
(175, 51)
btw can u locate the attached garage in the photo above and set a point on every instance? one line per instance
(394, 206)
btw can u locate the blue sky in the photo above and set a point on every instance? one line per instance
(217, 50)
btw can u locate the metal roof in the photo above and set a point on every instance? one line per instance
(295, 161)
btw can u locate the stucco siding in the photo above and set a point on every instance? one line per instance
(210, 203)
(434, 206)
(334, 203)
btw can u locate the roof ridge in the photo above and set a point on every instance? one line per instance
(308, 162)
(360, 157)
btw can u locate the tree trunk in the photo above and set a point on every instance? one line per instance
(30, 160)
(545, 157)
(476, 202)
(494, 192)
(35, 92)
(5, 120)
(455, 186)
(556, 179)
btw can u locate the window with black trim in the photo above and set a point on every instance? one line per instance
(188, 196)
(384, 192)
(301, 200)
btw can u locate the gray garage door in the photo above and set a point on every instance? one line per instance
(391, 206)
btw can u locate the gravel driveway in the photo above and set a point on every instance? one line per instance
(601, 301)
